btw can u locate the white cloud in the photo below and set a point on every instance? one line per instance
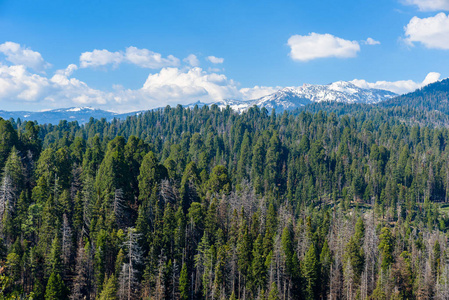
(174, 85)
(99, 58)
(148, 59)
(143, 58)
(314, 45)
(67, 71)
(429, 5)
(19, 55)
(170, 85)
(215, 60)
(432, 32)
(192, 60)
(18, 84)
(398, 87)
(371, 41)
(431, 78)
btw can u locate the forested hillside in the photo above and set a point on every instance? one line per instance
(206, 203)
(431, 97)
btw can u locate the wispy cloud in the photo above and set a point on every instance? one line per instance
(429, 5)
(192, 60)
(215, 60)
(371, 41)
(143, 58)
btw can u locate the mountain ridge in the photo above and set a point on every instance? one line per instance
(434, 96)
(54, 116)
(288, 98)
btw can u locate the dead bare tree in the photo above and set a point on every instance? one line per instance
(66, 240)
(84, 270)
(7, 198)
(128, 283)
(118, 208)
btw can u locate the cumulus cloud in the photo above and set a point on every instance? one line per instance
(429, 5)
(432, 32)
(371, 41)
(172, 84)
(314, 45)
(148, 59)
(192, 60)
(143, 58)
(99, 58)
(17, 83)
(398, 87)
(19, 55)
(168, 86)
(215, 60)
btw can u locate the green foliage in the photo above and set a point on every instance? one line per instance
(219, 181)
(55, 289)
(151, 173)
(109, 291)
(386, 247)
(274, 293)
(310, 273)
(184, 283)
(330, 201)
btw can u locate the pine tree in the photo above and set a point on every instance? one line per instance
(258, 161)
(274, 293)
(245, 158)
(272, 161)
(184, 283)
(233, 296)
(54, 259)
(55, 289)
(112, 173)
(386, 248)
(8, 139)
(258, 264)
(219, 181)
(109, 291)
(151, 173)
(310, 272)
(325, 266)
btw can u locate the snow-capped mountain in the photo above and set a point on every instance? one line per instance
(287, 98)
(80, 114)
(293, 97)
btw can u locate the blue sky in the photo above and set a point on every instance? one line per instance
(127, 55)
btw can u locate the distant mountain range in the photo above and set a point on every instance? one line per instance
(80, 114)
(288, 98)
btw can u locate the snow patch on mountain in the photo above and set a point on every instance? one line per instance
(290, 98)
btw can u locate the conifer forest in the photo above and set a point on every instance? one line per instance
(205, 203)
